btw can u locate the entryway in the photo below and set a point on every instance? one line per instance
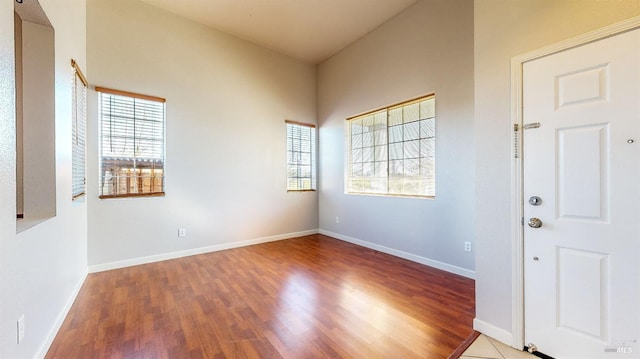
(579, 199)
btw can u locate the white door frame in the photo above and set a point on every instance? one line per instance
(517, 210)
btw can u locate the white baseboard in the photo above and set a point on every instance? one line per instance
(61, 317)
(494, 332)
(190, 252)
(406, 255)
(483, 327)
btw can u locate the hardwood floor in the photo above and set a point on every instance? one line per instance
(308, 297)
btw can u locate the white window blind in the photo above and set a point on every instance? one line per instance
(301, 156)
(78, 133)
(391, 151)
(132, 144)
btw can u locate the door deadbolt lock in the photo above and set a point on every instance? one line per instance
(535, 222)
(535, 201)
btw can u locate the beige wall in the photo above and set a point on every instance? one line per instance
(37, 126)
(504, 29)
(19, 105)
(227, 100)
(426, 48)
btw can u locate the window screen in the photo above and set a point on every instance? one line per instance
(301, 156)
(132, 144)
(392, 151)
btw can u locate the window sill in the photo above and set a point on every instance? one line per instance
(132, 195)
(390, 195)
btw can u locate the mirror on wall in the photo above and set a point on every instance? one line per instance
(35, 115)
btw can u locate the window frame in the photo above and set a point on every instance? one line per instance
(102, 91)
(383, 155)
(313, 183)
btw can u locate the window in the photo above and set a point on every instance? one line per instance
(391, 151)
(78, 133)
(301, 156)
(132, 156)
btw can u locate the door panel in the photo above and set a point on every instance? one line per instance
(582, 86)
(583, 154)
(582, 278)
(582, 266)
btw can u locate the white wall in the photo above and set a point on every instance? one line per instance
(227, 101)
(505, 29)
(41, 268)
(426, 48)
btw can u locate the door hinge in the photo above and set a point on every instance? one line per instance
(516, 141)
(531, 125)
(522, 221)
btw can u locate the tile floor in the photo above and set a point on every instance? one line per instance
(488, 348)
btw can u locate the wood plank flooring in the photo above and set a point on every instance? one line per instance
(308, 297)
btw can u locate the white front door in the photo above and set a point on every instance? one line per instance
(582, 265)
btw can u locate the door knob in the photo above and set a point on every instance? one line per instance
(535, 222)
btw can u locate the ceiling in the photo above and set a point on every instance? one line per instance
(308, 30)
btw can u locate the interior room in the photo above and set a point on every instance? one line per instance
(222, 181)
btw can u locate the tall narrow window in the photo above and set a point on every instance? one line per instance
(78, 133)
(132, 144)
(391, 151)
(301, 156)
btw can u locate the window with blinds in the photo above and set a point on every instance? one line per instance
(391, 151)
(301, 156)
(132, 144)
(78, 133)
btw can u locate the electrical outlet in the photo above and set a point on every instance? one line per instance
(337, 219)
(20, 328)
(182, 232)
(467, 246)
